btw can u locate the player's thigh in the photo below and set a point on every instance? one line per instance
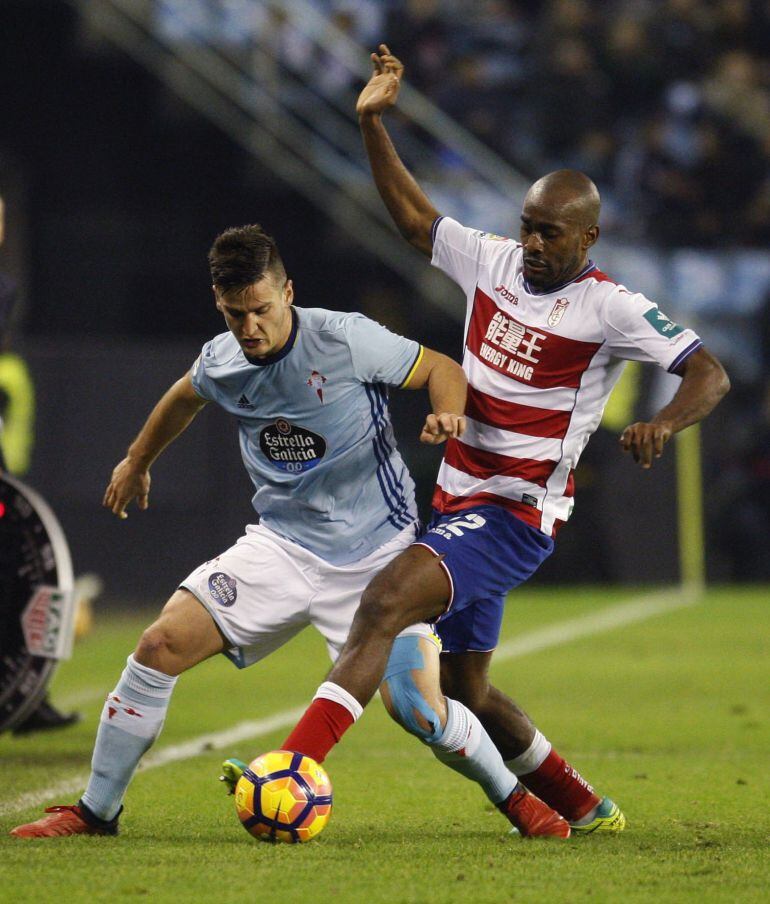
(183, 635)
(341, 587)
(412, 588)
(257, 593)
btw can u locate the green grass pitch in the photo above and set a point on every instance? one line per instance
(669, 716)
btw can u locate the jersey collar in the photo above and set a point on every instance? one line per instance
(586, 271)
(273, 359)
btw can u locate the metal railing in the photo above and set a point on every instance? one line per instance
(298, 126)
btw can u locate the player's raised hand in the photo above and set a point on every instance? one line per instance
(381, 91)
(645, 441)
(128, 482)
(440, 427)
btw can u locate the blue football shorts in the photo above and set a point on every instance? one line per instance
(487, 552)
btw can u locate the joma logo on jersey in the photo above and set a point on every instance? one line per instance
(507, 294)
(511, 346)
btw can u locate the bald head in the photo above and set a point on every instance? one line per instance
(559, 223)
(569, 192)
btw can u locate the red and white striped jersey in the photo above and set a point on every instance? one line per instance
(540, 369)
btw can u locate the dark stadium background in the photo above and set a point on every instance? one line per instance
(115, 187)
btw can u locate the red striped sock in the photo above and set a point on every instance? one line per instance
(561, 787)
(322, 725)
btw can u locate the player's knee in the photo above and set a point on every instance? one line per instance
(156, 648)
(409, 697)
(407, 706)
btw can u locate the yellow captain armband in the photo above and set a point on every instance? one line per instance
(17, 436)
(413, 368)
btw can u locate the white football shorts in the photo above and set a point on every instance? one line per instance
(265, 589)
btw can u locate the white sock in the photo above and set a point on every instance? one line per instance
(131, 719)
(466, 747)
(331, 691)
(532, 757)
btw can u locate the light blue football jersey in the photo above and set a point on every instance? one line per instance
(315, 430)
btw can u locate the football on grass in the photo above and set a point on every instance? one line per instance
(284, 796)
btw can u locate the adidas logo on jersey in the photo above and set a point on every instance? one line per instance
(244, 403)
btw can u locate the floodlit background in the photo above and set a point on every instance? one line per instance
(133, 131)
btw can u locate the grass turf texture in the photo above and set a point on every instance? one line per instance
(668, 716)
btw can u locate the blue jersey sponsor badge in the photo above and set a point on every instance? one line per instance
(223, 588)
(291, 448)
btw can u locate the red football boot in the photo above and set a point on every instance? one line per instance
(64, 821)
(530, 816)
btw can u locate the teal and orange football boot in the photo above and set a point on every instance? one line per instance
(232, 770)
(607, 818)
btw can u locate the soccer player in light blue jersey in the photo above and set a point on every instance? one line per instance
(309, 389)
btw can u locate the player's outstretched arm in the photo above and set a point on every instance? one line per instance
(131, 477)
(409, 206)
(447, 389)
(704, 383)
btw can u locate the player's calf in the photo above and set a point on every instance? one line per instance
(412, 695)
(562, 787)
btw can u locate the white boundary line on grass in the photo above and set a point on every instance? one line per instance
(83, 697)
(634, 610)
(626, 613)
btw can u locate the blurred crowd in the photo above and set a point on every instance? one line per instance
(666, 104)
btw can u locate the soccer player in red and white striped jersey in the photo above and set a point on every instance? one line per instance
(546, 338)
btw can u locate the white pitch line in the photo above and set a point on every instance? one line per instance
(645, 606)
(174, 753)
(83, 697)
(635, 610)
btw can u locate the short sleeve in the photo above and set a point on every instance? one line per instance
(637, 330)
(461, 252)
(378, 355)
(202, 383)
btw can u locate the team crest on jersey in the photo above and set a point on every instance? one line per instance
(557, 312)
(291, 448)
(316, 382)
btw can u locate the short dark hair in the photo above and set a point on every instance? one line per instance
(243, 255)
